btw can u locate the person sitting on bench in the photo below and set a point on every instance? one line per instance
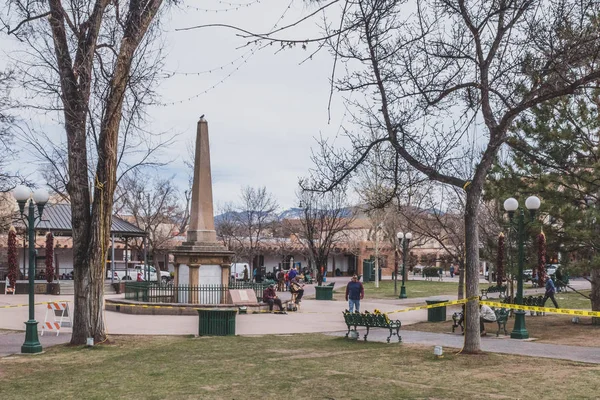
(297, 289)
(271, 298)
(486, 314)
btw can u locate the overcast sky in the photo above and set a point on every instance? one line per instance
(264, 118)
(265, 115)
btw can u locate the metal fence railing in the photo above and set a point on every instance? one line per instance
(151, 292)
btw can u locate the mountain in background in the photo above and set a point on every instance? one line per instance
(290, 213)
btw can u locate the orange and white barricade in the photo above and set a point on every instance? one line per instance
(7, 288)
(60, 316)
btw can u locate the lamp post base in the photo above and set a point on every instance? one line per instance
(32, 343)
(519, 331)
(402, 292)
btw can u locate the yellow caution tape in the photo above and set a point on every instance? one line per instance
(36, 304)
(565, 311)
(200, 308)
(444, 304)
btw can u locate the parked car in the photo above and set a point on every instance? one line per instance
(237, 271)
(131, 274)
(551, 268)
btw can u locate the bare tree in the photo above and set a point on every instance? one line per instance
(84, 58)
(9, 177)
(244, 226)
(325, 217)
(153, 203)
(449, 81)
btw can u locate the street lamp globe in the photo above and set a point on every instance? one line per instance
(21, 193)
(400, 235)
(511, 204)
(41, 196)
(408, 236)
(532, 203)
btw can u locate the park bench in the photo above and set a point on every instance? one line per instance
(536, 301)
(369, 320)
(502, 315)
(457, 320)
(494, 289)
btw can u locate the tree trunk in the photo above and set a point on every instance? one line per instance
(472, 342)
(461, 278)
(595, 293)
(91, 232)
(321, 263)
(83, 326)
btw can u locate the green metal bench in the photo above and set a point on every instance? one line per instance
(502, 315)
(501, 319)
(372, 321)
(494, 289)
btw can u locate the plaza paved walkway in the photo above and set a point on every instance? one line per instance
(314, 317)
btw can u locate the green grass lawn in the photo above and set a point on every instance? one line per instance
(571, 299)
(414, 289)
(284, 367)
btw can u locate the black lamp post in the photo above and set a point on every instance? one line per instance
(404, 239)
(511, 205)
(40, 197)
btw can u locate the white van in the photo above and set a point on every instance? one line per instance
(237, 271)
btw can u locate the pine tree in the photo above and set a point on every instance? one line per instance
(554, 154)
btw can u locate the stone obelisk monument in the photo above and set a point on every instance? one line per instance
(201, 260)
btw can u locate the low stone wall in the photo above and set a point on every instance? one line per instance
(141, 308)
(40, 287)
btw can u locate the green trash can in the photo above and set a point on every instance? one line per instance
(216, 321)
(324, 292)
(437, 314)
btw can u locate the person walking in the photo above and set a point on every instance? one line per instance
(355, 292)
(451, 270)
(245, 273)
(559, 280)
(550, 290)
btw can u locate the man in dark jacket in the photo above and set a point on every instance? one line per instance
(550, 290)
(270, 297)
(354, 294)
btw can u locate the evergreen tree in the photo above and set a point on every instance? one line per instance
(554, 154)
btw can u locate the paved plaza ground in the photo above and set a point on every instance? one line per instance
(313, 317)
